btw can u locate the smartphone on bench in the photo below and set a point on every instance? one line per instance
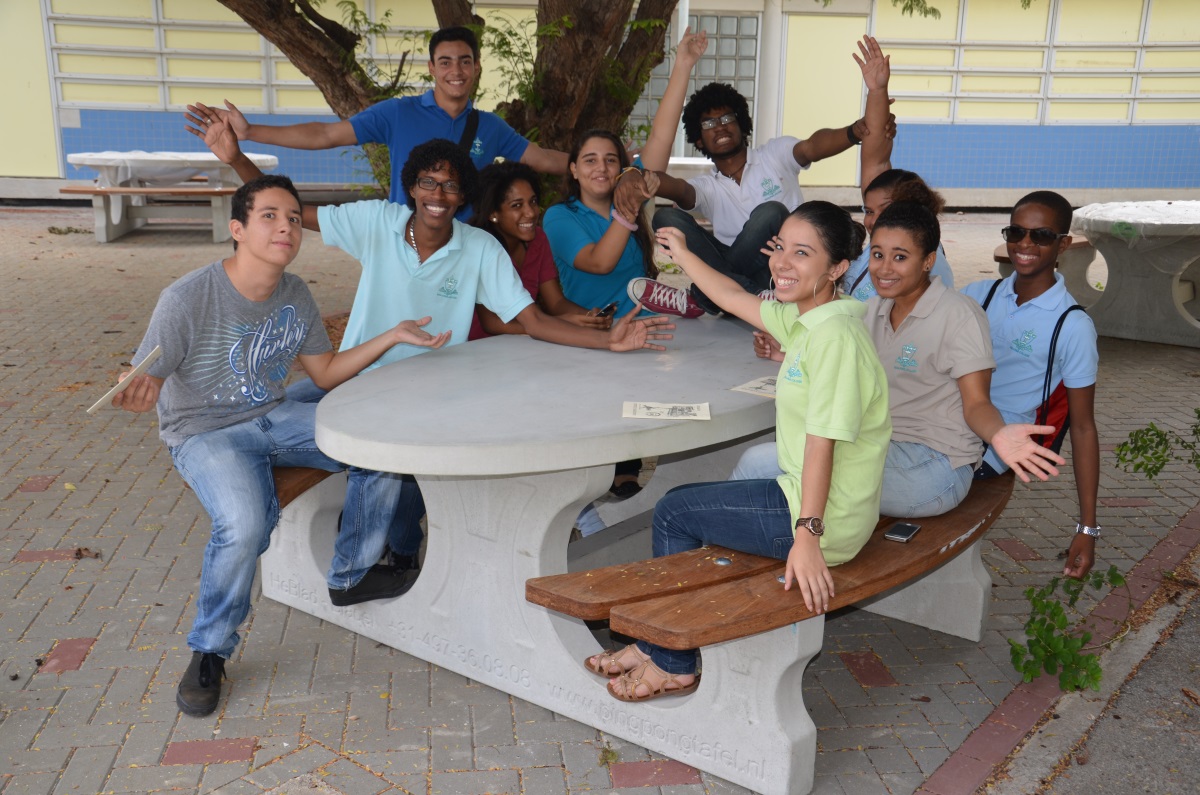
(902, 532)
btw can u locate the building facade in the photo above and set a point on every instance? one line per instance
(1100, 98)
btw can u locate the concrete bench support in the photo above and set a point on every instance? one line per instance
(118, 211)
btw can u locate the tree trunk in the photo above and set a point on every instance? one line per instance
(452, 13)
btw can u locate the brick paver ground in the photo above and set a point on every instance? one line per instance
(93, 645)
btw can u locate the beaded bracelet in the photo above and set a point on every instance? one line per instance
(620, 219)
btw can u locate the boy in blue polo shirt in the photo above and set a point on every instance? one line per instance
(445, 111)
(1024, 310)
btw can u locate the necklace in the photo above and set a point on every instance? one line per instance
(736, 176)
(412, 239)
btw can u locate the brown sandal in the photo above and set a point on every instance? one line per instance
(634, 678)
(606, 661)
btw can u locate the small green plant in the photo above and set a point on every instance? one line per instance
(1051, 647)
(1149, 449)
(607, 756)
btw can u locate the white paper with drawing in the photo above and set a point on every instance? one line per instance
(639, 410)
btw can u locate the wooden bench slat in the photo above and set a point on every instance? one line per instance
(592, 594)
(758, 603)
(291, 482)
(96, 190)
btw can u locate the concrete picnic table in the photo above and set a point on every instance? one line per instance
(1152, 250)
(509, 438)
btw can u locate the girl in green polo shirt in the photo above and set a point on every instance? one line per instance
(832, 426)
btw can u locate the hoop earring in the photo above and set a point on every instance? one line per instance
(772, 283)
(815, 286)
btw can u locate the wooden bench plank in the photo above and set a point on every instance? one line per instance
(758, 603)
(590, 595)
(291, 482)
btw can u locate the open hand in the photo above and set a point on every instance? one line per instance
(215, 131)
(631, 333)
(671, 243)
(410, 331)
(876, 67)
(229, 114)
(1024, 456)
(691, 47)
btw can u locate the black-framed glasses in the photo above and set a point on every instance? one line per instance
(708, 124)
(1043, 236)
(449, 187)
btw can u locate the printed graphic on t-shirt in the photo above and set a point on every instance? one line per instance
(793, 373)
(477, 148)
(449, 289)
(907, 361)
(770, 188)
(1023, 344)
(239, 363)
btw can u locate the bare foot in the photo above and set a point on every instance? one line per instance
(615, 663)
(649, 681)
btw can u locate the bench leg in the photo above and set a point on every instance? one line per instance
(111, 218)
(953, 598)
(222, 206)
(1146, 298)
(1073, 265)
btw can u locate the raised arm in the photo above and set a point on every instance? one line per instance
(827, 143)
(657, 151)
(219, 138)
(329, 369)
(545, 161)
(723, 291)
(875, 156)
(309, 135)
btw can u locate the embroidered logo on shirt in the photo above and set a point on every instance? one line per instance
(449, 289)
(477, 148)
(1022, 344)
(906, 361)
(770, 188)
(793, 373)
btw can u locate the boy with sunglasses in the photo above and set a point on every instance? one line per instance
(1024, 311)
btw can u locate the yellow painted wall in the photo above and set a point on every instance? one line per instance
(103, 35)
(1091, 85)
(196, 11)
(1174, 20)
(1176, 111)
(1005, 20)
(1099, 20)
(1172, 59)
(247, 99)
(819, 45)
(27, 147)
(76, 63)
(1116, 112)
(891, 24)
(983, 110)
(1002, 59)
(913, 56)
(1095, 59)
(141, 9)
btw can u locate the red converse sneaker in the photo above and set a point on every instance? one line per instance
(663, 298)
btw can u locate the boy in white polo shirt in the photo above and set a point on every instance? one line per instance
(1024, 310)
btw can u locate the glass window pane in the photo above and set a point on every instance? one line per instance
(747, 47)
(749, 26)
(729, 26)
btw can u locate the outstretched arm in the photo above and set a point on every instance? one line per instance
(310, 135)
(630, 333)
(545, 161)
(657, 151)
(721, 290)
(876, 154)
(217, 135)
(1011, 442)
(330, 369)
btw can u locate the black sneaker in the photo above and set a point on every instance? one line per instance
(200, 688)
(400, 563)
(381, 582)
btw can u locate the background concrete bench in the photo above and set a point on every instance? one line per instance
(118, 211)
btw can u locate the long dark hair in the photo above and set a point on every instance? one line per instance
(572, 190)
(494, 183)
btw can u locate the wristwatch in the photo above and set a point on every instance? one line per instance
(1094, 532)
(812, 524)
(854, 139)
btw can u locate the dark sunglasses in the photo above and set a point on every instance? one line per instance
(1040, 237)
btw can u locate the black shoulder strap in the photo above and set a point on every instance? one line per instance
(991, 292)
(468, 137)
(1047, 385)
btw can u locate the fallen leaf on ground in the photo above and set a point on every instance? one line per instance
(84, 552)
(1191, 696)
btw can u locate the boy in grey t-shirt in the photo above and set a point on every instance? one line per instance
(229, 334)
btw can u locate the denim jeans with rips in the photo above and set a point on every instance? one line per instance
(230, 471)
(746, 515)
(382, 510)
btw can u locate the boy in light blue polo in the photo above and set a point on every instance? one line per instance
(1023, 311)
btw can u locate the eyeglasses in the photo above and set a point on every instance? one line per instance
(449, 187)
(708, 124)
(1040, 237)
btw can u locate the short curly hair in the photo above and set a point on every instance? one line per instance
(433, 153)
(713, 97)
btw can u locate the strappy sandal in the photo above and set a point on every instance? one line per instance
(633, 679)
(606, 661)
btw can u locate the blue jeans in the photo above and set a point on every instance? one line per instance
(917, 480)
(743, 261)
(746, 515)
(382, 509)
(230, 471)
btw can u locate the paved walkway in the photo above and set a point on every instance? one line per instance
(93, 646)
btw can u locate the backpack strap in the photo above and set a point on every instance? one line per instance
(1047, 385)
(991, 292)
(468, 137)
(858, 281)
